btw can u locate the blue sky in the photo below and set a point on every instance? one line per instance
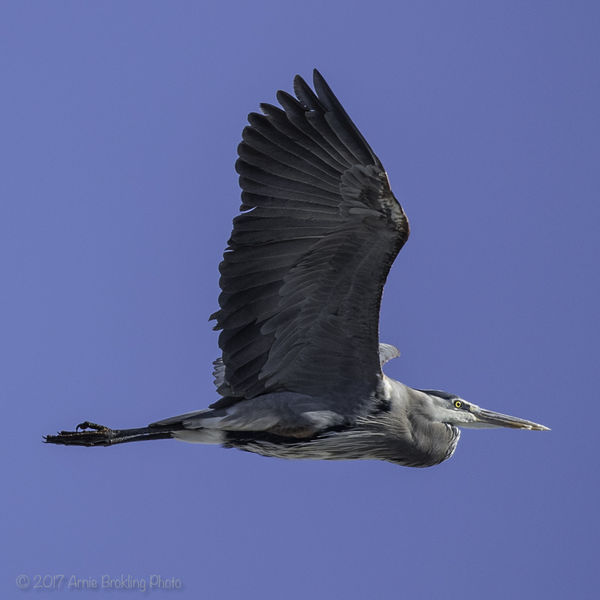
(120, 122)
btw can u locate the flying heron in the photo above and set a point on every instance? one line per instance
(300, 374)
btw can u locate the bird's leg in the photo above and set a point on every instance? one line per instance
(92, 434)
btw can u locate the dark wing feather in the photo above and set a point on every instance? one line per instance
(303, 274)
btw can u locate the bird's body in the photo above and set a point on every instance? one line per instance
(396, 427)
(300, 373)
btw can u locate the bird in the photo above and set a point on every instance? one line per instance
(300, 373)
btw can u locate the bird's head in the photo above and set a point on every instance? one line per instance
(448, 408)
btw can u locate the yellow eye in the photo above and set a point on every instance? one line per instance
(457, 404)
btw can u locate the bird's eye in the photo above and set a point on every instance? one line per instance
(458, 404)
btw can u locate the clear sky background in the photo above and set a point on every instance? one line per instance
(120, 122)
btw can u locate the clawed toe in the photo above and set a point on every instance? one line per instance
(90, 425)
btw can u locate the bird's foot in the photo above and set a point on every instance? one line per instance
(98, 435)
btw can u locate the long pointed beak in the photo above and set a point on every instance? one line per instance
(489, 418)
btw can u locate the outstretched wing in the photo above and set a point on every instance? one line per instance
(303, 274)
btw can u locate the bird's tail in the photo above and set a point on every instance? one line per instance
(91, 434)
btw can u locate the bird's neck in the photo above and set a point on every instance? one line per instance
(415, 413)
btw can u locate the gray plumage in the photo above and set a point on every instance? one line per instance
(300, 371)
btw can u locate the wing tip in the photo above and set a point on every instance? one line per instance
(317, 76)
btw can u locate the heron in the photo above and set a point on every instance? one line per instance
(300, 372)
